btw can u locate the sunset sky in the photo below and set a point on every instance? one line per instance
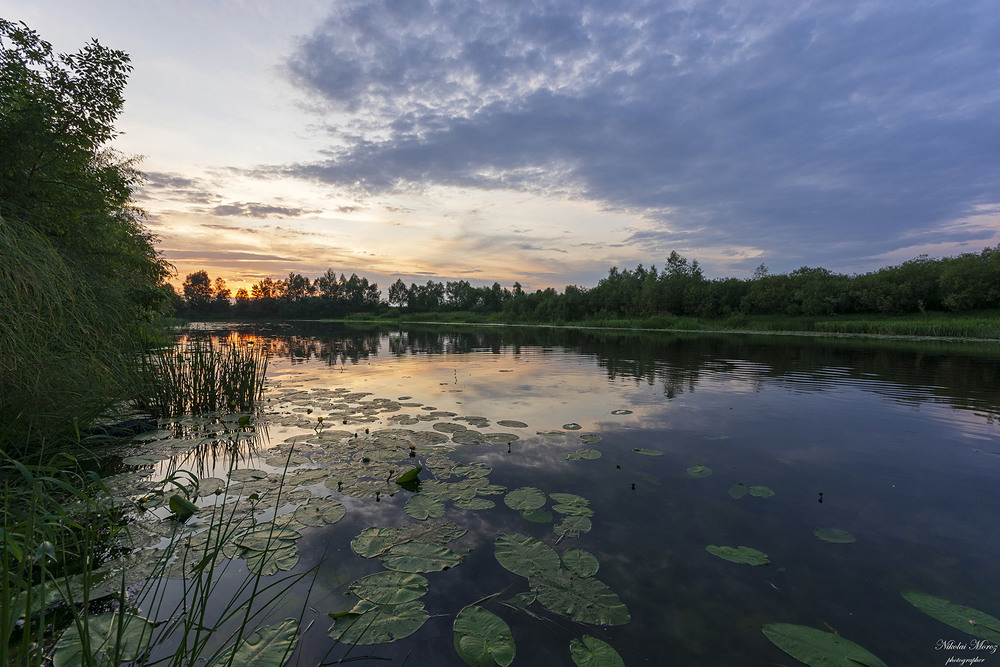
(544, 142)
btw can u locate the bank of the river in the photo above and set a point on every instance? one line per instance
(974, 325)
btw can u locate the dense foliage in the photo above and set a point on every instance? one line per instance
(970, 281)
(79, 276)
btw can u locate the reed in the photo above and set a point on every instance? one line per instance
(201, 375)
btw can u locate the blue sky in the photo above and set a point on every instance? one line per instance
(548, 141)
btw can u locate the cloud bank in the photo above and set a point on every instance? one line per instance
(815, 130)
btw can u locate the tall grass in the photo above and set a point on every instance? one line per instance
(201, 375)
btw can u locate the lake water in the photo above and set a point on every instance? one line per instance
(896, 443)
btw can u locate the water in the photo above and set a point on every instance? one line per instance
(896, 443)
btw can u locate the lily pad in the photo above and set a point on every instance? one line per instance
(582, 599)
(369, 623)
(834, 535)
(106, 646)
(699, 471)
(420, 557)
(592, 652)
(264, 647)
(422, 506)
(581, 563)
(526, 556)
(572, 426)
(590, 438)
(374, 541)
(573, 510)
(572, 526)
(647, 452)
(818, 647)
(621, 412)
(758, 491)
(482, 638)
(537, 516)
(966, 619)
(745, 555)
(390, 587)
(525, 499)
(569, 499)
(320, 512)
(737, 491)
(511, 423)
(475, 504)
(589, 454)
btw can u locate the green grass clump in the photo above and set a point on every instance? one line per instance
(201, 375)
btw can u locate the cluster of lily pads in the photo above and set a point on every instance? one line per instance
(340, 449)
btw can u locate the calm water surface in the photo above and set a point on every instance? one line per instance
(897, 444)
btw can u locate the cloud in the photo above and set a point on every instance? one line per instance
(223, 255)
(258, 210)
(828, 131)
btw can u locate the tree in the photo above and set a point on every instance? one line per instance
(198, 291)
(397, 293)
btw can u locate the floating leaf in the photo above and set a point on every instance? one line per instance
(573, 510)
(475, 504)
(966, 619)
(581, 563)
(592, 652)
(818, 647)
(572, 526)
(758, 491)
(583, 599)
(590, 438)
(589, 454)
(265, 647)
(422, 506)
(420, 557)
(572, 426)
(247, 475)
(537, 516)
(699, 471)
(374, 541)
(144, 459)
(834, 535)
(745, 555)
(368, 623)
(621, 412)
(182, 508)
(521, 600)
(511, 423)
(526, 556)
(647, 452)
(482, 638)
(526, 498)
(737, 491)
(409, 476)
(569, 499)
(106, 645)
(320, 512)
(390, 587)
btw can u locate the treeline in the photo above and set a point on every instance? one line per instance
(970, 281)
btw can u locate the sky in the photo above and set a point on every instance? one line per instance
(544, 142)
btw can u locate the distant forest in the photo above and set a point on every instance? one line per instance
(970, 281)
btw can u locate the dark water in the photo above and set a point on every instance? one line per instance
(896, 443)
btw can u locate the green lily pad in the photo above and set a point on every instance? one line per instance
(523, 555)
(647, 452)
(572, 426)
(573, 510)
(745, 555)
(592, 652)
(106, 646)
(818, 647)
(590, 438)
(572, 526)
(582, 599)
(537, 516)
(369, 623)
(581, 563)
(525, 499)
(410, 475)
(621, 412)
(569, 499)
(144, 459)
(834, 535)
(737, 491)
(374, 541)
(475, 504)
(450, 427)
(758, 491)
(320, 512)
(699, 471)
(422, 506)
(482, 638)
(511, 423)
(589, 454)
(420, 557)
(247, 475)
(966, 619)
(390, 587)
(265, 647)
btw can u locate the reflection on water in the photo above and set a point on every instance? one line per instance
(896, 443)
